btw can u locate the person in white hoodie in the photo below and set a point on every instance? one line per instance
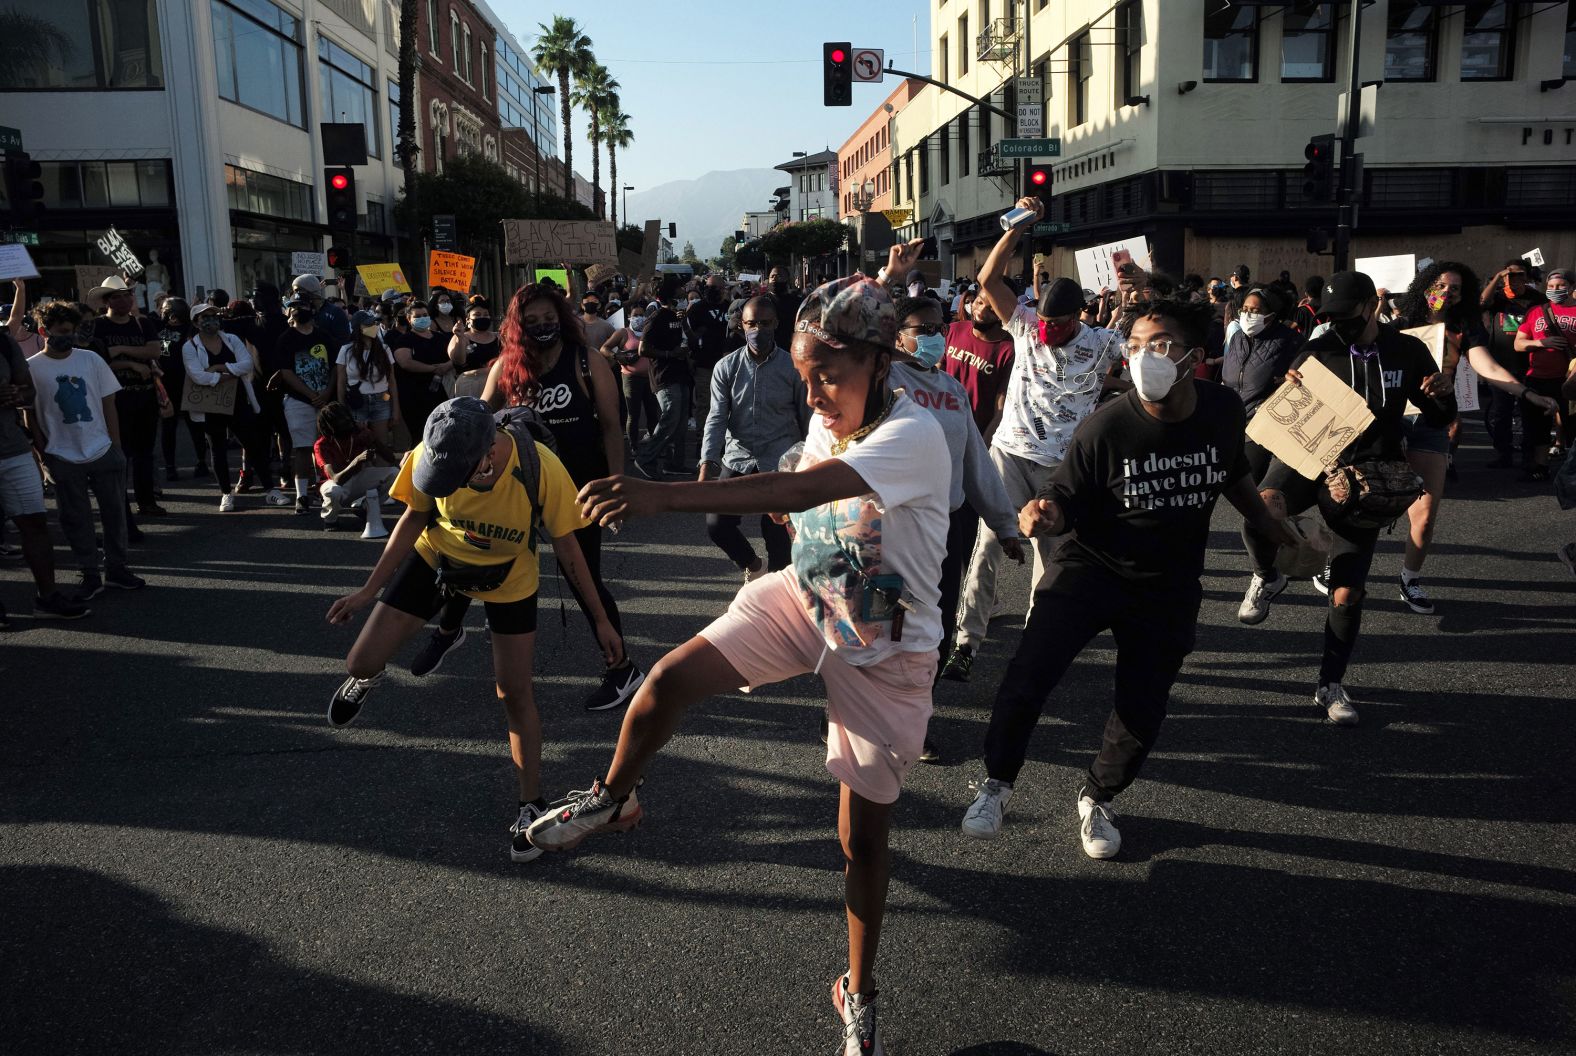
(213, 359)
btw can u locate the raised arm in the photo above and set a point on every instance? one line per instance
(993, 276)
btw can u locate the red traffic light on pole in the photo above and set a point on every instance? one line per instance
(837, 74)
(339, 190)
(339, 258)
(1037, 183)
(1318, 175)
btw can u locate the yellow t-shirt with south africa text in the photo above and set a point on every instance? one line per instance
(494, 526)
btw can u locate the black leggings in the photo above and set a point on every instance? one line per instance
(1351, 557)
(248, 431)
(723, 529)
(590, 540)
(138, 411)
(961, 532)
(169, 434)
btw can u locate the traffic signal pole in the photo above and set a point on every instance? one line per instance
(1349, 193)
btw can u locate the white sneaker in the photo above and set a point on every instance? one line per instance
(983, 818)
(275, 497)
(370, 532)
(1336, 703)
(1097, 828)
(226, 503)
(860, 1036)
(1256, 602)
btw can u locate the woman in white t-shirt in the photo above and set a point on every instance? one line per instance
(364, 378)
(858, 606)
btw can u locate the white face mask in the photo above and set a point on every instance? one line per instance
(1252, 323)
(1153, 375)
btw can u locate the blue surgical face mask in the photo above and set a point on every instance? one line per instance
(928, 349)
(421, 322)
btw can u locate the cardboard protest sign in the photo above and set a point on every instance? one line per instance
(597, 274)
(1394, 273)
(558, 275)
(210, 399)
(648, 249)
(1533, 257)
(1097, 266)
(380, 277)
(89, 276)
(1307, 426)
(559, 242)
(452, 271)
(305, 262)
(16, 263)
(628, 264)
(1433, 335)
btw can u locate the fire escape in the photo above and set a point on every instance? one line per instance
(998, 44)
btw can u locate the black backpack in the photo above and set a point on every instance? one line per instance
(528, 428)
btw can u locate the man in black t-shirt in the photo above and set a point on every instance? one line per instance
(707, 323)
(131, 343)
(663, 341)
(1135, 494)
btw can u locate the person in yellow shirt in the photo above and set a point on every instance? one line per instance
(469, 527)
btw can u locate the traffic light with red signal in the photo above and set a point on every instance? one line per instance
(24, 188)
(339, 258)
(1037, 183)
(1318, 175)
(339, 185)
(837, 73)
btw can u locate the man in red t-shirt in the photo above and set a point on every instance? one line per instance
(1548, 337)
(353, 466)
(979, 354)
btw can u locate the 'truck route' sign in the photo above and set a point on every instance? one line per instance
(1307, 426)
(559, 242)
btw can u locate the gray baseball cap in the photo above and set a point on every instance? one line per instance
(458, 434)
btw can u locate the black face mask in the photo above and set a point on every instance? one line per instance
(481, 324)
(779, 287)
(543, 333)
(1349, 330)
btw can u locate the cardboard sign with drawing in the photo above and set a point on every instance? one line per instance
(1307, 426)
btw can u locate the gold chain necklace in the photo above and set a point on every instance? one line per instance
(839, 446)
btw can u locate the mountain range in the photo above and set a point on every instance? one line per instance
(706, 209)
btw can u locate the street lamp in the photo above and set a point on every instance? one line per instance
(546, 89)
(627, 189)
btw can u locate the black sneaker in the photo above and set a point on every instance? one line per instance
(431, 656)
(122, 579)
(520, 849)
(1321, 582)
(959, 664)
(1416, 597)
(618, 685)
(57, 607)
(930, 753)
(352, 693)
(90, 586)
(301, 505)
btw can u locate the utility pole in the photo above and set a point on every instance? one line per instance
(1022, 166)
(1351, 176)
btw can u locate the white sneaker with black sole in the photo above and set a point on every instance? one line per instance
(618, 685)
(520, 849)
(1255, 607)
(1416, 597)
(1337, 704)
(1097, 828)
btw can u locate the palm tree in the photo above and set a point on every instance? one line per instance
(617, 136)
(30, 47)
(409, 149)
(595, 92)
(563, 49)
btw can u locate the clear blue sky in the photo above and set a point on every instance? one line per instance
(718, 85)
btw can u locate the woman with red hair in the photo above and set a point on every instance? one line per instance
(545, 364)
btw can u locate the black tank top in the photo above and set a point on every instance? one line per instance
(571, 414)
(479, 354)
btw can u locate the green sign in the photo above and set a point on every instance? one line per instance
(19, 238)
(1030, 148)
(10, 138)
(1049, 227)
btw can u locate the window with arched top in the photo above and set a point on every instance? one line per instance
(454, 40)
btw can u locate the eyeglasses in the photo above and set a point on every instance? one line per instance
(1160, 347)
(924, 328)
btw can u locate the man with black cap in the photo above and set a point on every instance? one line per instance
(1388, 369)
(1057, 375)
(473, 498)
(330, 318)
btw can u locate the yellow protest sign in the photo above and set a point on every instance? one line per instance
(452, 271)
(1307, 426)
(380, 277)
(558, 275)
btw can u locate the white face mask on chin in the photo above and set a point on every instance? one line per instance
(1154, 375)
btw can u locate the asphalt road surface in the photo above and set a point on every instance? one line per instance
(191, 861)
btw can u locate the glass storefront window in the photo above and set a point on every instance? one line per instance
(99, 184)
(267, 195)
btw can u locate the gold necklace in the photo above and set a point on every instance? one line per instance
(839, 446)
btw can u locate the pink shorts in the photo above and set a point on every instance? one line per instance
(876, 715)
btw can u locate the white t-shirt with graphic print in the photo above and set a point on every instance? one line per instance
(1051, 389)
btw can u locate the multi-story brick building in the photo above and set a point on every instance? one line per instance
(457, 109)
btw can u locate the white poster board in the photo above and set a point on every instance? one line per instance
(309, 263)
(1393, 273)
(1097, 266)
(16, 262)
(616, 320)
